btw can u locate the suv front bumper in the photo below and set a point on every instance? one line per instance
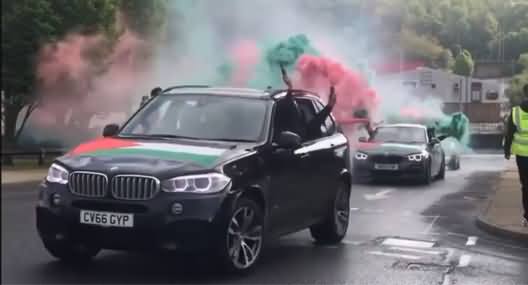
(155, 226)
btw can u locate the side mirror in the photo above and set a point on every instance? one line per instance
(363, 139)
(110, 130)
(289, 140)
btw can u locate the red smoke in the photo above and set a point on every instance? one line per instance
(316, 74)
(87, 75)
(246, 56)
(412, 112)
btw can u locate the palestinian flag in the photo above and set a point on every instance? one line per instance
(110, 147)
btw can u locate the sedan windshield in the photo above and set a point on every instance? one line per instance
(203, 117)
(410, 135)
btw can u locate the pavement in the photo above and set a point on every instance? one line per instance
(21, 176)
(502, 215)
(399, 233)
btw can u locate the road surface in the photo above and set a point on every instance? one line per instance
(399, 234)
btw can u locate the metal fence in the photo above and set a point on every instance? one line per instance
(40, 155)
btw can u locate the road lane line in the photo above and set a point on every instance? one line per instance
(447, 280)
(404, 256)
(464, 260)
(407, 243)
(430, 227)
(378, 196)
(471, 241)
(431, 252)
(450, 253)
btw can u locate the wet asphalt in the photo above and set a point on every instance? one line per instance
(399, 233)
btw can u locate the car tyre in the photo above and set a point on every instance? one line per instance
(454, 163)
(334, 228)
(71, 252)
(427, 176)
(242, 238)
(441, 173)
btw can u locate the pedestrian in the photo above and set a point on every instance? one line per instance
(516, 143)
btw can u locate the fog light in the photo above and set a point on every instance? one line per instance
(56, 199)
(177, 208)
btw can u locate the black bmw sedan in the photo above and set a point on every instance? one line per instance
(400, 151)
(216, 170)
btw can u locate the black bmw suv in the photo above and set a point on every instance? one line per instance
(200, 168)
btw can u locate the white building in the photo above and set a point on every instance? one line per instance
(451, 88)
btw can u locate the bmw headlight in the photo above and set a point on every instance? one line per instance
(57, 174)
(360, 156)
(418, 156)
(201, 183)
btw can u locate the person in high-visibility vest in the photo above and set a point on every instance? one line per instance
(516, 143)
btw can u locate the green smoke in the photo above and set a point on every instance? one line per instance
(286, 53)
(267, 72)
(455, 125)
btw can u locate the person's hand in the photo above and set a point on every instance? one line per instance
(333, 98)
(507, 156)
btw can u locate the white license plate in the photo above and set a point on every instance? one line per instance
(107, 219)
(386, 166)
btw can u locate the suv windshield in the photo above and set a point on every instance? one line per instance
(399, 135)
(200, 116)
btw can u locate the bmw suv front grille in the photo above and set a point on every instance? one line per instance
(134, 187)
(122, 187)
(88, 184)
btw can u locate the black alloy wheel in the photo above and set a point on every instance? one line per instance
(244, 237)
(334, 228)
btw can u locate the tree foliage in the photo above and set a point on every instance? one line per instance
(515, 91)
(464, 64)
(144, 17)
(29, 24)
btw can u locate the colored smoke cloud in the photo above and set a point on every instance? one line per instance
(239, 43)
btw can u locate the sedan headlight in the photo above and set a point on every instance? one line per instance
(201, 183)
(360, 156)
(57, 174)
(418, 156)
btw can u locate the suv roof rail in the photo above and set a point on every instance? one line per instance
(185, 86)
(276, 92)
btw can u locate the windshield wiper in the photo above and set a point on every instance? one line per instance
(229, 140)
(157, 136)
(147, 137)
(169, 136)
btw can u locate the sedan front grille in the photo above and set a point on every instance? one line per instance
(134, 187)
(395, 159)
(88, 184)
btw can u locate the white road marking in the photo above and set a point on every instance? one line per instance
(430, 227)
(447, 280)
(354, 209)
(405, 256)
(353, 242)
(464, 260)
(471, 241)
(378, 196)
(431, 252)
(450, 253)
(373, 211)
(407, 243)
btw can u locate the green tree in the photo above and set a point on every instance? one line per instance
(26, 26)
(145, 17)
(515, 92)
(464, 64)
